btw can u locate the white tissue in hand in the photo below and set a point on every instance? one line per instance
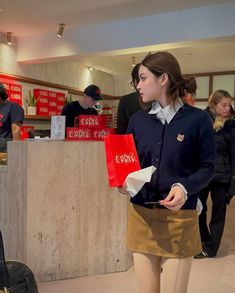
(135, 180)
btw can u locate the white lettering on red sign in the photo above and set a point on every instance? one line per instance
(16, 96)
(43, 100)
(61, 99)
(15, 88)
(52, 94)
(81, 133)
(89, 121)
(101, 133)
(125, 158)
(43, 109)
(52, 103)
(41, 93)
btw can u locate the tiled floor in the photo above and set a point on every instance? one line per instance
(214, 275)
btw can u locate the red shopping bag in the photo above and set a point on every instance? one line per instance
(121, 158)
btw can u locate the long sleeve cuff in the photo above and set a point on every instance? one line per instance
(184, 189)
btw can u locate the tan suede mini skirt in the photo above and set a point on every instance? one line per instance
(162, 232)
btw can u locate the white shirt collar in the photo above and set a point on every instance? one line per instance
(167, 113)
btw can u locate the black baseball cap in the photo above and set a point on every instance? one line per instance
(94, 92)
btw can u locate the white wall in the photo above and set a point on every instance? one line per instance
(69, 73)
(8, 59)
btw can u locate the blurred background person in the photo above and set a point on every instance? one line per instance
(128, 104)
(222, 186)
(11, 119)
(85, 106)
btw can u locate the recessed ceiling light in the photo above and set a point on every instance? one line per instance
(187, 55)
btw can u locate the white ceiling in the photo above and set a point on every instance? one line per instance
(29, 17)
(214, 55)
(32, 17)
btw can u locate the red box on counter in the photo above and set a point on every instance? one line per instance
(91, 121)
(77, 133)
(99, 134)
(88, 133)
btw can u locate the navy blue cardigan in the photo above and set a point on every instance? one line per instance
(183, 152)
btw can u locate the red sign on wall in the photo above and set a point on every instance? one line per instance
(49, 102)
(14, 89)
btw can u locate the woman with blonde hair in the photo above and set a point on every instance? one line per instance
(222, 186)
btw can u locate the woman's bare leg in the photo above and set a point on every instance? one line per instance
(175, 275)
(148, 270)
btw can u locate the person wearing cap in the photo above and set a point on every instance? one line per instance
(85, 106)
(11, 119)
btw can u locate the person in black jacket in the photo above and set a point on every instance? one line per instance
(128, 104)
(11, 119)
(85, 106)
(222, 186)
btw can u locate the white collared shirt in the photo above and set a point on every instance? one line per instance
(167, 113)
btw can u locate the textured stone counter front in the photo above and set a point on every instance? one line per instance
(62, 218)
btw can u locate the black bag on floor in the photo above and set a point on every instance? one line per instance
(15, 277)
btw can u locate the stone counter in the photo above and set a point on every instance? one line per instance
(61, 218)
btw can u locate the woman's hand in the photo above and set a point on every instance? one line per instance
(122, 189)
(175, 199)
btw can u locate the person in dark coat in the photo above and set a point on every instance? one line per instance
(128, 104)
(11, 119)
(222, 186)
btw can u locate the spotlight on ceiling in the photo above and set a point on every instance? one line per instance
(60, 30)
(91, 68)
(9, 38)
(133, 61)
